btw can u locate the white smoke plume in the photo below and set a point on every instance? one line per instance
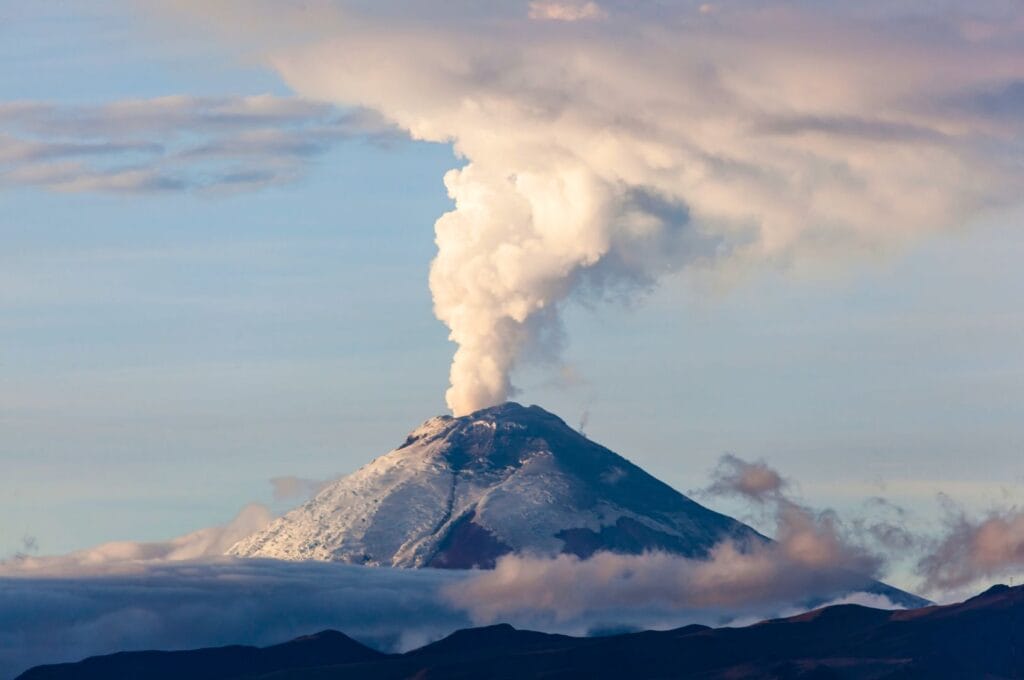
(602, 154)
(607, 153)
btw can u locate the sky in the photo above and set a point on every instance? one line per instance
(253, 297)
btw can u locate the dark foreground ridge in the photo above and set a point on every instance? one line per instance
(980, 638)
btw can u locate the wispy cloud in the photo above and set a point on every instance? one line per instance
(171, 143)
(290, 488)
(551, 10)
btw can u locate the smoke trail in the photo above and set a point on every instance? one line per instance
(607, 145)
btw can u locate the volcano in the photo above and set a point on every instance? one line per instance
(461, 492)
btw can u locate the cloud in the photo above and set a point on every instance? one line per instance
(762, 579)
(966, 551)
(974, 548)
(171, 143)
(120, 555)
(812, 536)
(601, 156)
(291, 488)
(546, 10)
(753, 481)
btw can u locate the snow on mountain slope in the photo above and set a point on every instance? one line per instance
(461, 492)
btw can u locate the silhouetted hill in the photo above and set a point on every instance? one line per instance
(982, 637)
(327, 648)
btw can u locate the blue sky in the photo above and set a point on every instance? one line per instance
(163, 355)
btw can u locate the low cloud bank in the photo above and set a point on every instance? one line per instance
(62, 613)
(119, 556)
(619, 588)
(188, 604)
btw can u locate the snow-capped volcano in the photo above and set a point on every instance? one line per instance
(460, 492)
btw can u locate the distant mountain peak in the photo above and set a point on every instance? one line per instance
(461, 492)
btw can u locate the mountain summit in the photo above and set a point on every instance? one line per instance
(461, 492)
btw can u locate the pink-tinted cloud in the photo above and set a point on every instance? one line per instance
(975, 548)
(753, 481)
(814, 557)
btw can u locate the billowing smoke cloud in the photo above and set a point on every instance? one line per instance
(973, 548)
(603, 154)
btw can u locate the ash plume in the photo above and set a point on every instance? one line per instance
(608, 144)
